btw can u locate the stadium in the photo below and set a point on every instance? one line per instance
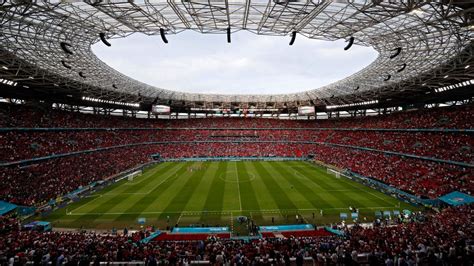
(373, 167)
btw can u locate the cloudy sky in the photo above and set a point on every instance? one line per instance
(251, 64)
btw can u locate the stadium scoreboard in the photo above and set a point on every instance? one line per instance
(160, 109)
(306, 110)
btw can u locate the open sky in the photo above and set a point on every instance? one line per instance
(251, 64)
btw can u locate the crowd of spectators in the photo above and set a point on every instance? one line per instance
(444, 238)
(37, 183)
(419, 177)
(20, 145)
(457, 117)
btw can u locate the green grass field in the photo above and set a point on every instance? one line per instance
(215, 193)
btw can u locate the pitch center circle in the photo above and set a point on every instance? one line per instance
(231, 177)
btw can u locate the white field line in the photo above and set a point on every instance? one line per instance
(179, 218)
(225, 212)
(360, 189)
(113, 194)
(238, 186)
(348, 190)
(166, 179)
(301, 176)
(143, 177)
(124, 193)
(98, 197)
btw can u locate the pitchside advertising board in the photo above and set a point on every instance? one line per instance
(306, 110)
(160, 109)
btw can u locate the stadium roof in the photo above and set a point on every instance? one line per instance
(420, 44)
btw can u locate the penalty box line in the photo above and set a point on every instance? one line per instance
(228, 212)
(111, 193)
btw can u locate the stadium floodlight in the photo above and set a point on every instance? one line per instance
(349, 45)
(9, 82)
(402, 68)
(293, 37)
(397, 50)
(228, 35)
(163, 36)
(454, 86)
(65, 64)
(91, 99)
(65, 46)
(102, 38)
(352, 104)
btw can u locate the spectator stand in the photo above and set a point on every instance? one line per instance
(235, 158)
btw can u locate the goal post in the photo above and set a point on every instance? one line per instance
(333, 172)
(132, 175)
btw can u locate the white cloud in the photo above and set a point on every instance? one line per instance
(251, 64)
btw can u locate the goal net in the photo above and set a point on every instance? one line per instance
(333, 172)
(131, 176)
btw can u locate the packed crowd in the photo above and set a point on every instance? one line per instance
(444, 238)
(37, 183)
(419, 177)
(14, 116)
(19, 145)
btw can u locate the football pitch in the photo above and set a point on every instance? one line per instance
(216, 193)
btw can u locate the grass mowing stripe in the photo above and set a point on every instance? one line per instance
(198, 199)
(231, 198)
(115, 191)
(279, 195)
(287, 186)
(346, 198)
(238, 187)
(369, 195)
(182, 197)
(215, 192)
(125, 201)
(215, 197)
(310, 195)
(265, 199)
(162, 197)
(148, 173)
(145, 201)
(249, 199)
(379, 198)
(101, 207)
